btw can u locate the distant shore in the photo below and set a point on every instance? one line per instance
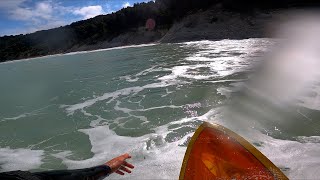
(211, 24)
(80, 52)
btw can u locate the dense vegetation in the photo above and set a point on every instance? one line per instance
(107, 27)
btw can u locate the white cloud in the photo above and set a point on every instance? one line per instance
(45, 14)
(41, 11)
(89, 11)
(126, 4)
(21, 14)
(10, 4)
(44, 9)
(31, 28)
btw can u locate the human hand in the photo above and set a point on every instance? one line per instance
(119, 164)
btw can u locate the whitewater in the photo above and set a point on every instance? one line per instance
(82, 109)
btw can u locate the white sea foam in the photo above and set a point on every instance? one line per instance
(297, 160)
(113, 48)
(17, 117)
(27, 114)
(135, 77)
(113, 95)
(20, 159)
(176, 72)
(150, 151)
(96, 122)
(216, 59)
(163, 160)
(237, 85)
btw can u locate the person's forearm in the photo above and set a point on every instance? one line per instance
(93, 173)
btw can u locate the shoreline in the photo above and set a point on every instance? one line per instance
(212, 24)
(79, 52)
(123, 47)
(198, 26)
(119, 47)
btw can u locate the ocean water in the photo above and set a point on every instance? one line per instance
(81, 109)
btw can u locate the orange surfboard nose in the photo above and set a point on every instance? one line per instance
(216, 152)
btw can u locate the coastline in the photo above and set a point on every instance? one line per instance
(79, 52)
(212, 24)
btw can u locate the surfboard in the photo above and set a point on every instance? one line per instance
(215, 152)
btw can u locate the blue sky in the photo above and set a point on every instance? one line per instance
(25, 16)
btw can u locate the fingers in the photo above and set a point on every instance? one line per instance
(125, 169)
(119, 172)
(126, 156)
(128, 165)
(119, 164)
(122, 168)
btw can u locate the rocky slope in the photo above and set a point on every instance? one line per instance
(211, 20)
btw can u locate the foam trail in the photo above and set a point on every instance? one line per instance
(113, 95)
(218, 59)
(164, 159)
(20, 159)
(149, 151)
(297, 160)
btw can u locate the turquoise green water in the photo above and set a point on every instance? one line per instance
(79, 110)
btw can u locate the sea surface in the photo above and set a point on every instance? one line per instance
(81, 109)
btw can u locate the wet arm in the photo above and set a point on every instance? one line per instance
(93, 173)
